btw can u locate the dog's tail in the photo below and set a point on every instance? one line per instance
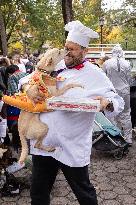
(24, 152)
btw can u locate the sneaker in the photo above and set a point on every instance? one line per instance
(15, 167)
(14, 190)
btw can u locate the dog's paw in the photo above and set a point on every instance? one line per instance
(34, 94)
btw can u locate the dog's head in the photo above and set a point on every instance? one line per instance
(50, 59)
(2, 152)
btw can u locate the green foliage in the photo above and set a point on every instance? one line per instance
(46, 22)
(87, 12)
(34, 22)
(125, 19)
(41, 19)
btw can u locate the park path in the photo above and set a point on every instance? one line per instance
(114, 180)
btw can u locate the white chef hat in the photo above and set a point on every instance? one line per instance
(80, 34)
(117, 51)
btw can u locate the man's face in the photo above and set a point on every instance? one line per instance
(75, 54)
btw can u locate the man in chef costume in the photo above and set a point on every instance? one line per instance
(118, 71)
(71, 132)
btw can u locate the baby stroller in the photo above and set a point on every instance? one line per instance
(108, 138)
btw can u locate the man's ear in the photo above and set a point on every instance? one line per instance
(48, 61)
(86, 50)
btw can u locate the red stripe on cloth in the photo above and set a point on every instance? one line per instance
(12, 117)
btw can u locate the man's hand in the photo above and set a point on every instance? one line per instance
(105, 104)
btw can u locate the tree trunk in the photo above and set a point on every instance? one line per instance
(3, 36)
(67, 12)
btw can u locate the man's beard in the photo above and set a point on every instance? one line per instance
(74, 61)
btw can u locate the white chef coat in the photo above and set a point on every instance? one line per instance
(71, 132)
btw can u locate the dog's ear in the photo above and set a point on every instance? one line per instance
(49, 61)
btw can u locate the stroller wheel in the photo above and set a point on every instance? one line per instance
(126, 150)
(118, 154)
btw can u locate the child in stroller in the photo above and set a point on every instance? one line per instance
(108, 138)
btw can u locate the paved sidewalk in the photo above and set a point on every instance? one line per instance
(114, 180)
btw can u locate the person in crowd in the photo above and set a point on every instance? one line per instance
(24, 59)
(101, 60)
(14, 75)
(133, 104)
(118, 70)
(4, 62)
(71, 132)
(3, 119)
(29, 67)
(16, 60)
(28, 63)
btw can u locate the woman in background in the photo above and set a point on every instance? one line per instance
(14, 75)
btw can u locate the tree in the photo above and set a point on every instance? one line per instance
(123, 20)
(3, 40)
(67, 12)
(9, 16)
(35, 18)
(35, 22)
(131, 8)
(43, 19)
(88, 12)
(46, 23)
